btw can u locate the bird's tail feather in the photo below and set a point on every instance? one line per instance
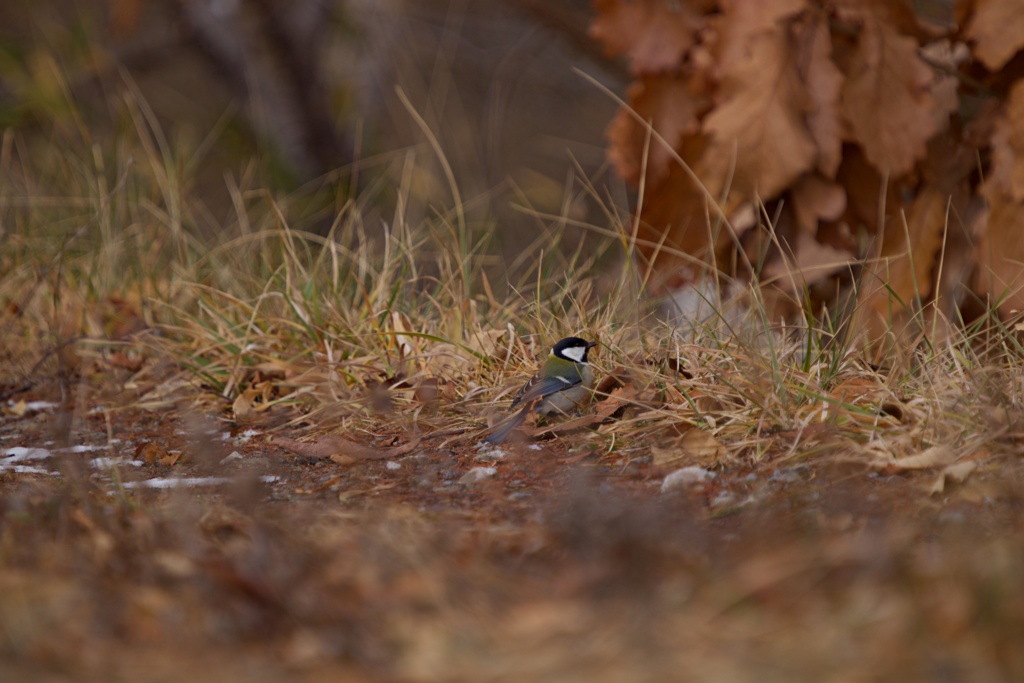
(501, 432)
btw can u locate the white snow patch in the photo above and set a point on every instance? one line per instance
(36, 406)
(22, 453)
(174, 482)
(90, 447)
(25, 469)
(107, 463)
(392, 465)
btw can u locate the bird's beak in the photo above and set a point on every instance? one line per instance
(591, 345)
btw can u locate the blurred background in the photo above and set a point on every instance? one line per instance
(306, 98)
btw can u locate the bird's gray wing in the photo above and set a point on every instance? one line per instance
(539, 387)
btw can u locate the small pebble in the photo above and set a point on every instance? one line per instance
(477, 474)
(231, 457)
(686, 477)
(488, 453)
(786, 475)
(724, 499)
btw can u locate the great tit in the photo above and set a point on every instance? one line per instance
(560, 386)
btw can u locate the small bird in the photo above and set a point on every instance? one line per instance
(560, 386)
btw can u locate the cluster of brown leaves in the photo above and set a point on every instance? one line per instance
(884, 139)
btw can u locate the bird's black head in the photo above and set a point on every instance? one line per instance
(573, 349)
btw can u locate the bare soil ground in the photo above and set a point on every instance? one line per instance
(564, 564)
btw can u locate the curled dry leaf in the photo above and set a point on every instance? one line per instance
(254, 399)
(824, 83)
(887, 97)
(953, 474)
(1001, 251)
(1007, 173)
(669, 104)
(277, 369)
(131, 361)
(760, 140)
(997, 29)
(170, 459)
(814, 262)
(445, 360)
(892, 272)
(153, 454)
(815, 199)
(149, 452)
(618, 377)
(618, 400)
(495, 343)
(652, 34)
(696, 445)
(427, 391)
(18, 409)
(401, 326)
(936, 456)
(242, 406)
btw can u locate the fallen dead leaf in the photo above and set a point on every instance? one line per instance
(618, 377)
(493, 343)
(130, 361)
(936, 456)
(668, 103)
(277, 369)
(887, 97)
(956, 473)
(242, 406)
(150, 453)
(997, 29)
(174, 564)
(758, 132)
(652, 36)
(170, 459)
(426, 391)
(402, 326)
(695, 445)
(618, 399)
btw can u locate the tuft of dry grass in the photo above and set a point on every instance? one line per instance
(423, 326)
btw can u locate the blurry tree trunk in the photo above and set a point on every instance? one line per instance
(277, 61)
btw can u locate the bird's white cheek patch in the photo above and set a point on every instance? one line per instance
(576, 353)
